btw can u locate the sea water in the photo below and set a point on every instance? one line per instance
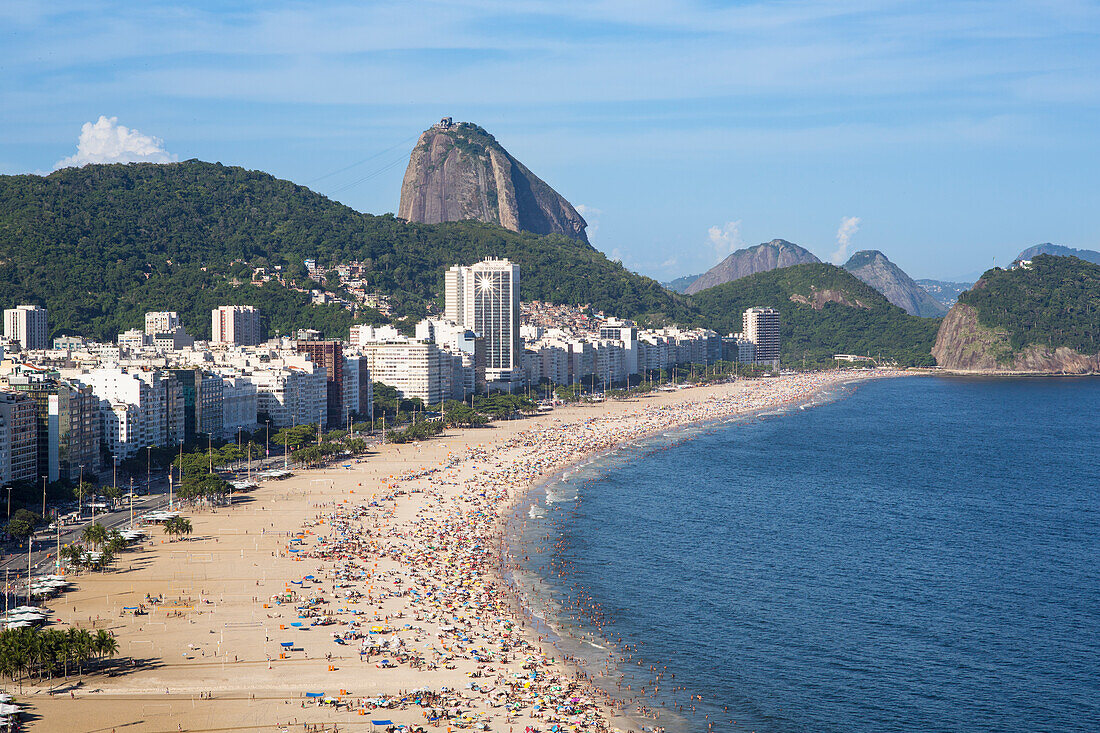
(908, 554)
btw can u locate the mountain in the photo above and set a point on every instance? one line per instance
(102, 244)
(680, 284)
(873, 268)
(823, 310)
(1047, 248)
(1042, 318)
(751, 260)
(459, 171)
(943, 291)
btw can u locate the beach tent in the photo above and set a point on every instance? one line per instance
(315, 694)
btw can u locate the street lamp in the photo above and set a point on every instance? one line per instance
(80, 493)
(9, 501)
(267, 449)
(44, 497)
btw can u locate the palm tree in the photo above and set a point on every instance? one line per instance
(72, 641)
(115, 542)
(105, 644)
(94, 534)
(37, 653)
(73, 554)
(55, 644)
(177, 526)
(84, 644)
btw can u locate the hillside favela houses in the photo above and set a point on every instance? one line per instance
(77, 406)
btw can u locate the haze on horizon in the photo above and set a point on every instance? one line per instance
(948, 135)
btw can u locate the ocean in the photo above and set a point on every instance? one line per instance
(916, 554)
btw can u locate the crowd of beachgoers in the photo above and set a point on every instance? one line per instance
(401, 580)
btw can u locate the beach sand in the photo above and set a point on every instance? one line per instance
(405, 551)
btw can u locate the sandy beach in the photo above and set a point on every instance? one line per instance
(372, 592)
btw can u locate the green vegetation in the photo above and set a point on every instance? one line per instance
(177, 527)
(43, 653)
(1055, 302)
(851, 317)
(101, 245)
(22, 524)
(421, 429)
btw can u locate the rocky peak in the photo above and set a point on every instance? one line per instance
(751, 260)
(875, 269)
(458, 171)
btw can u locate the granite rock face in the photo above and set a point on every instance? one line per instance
(751, 260)
(873, 268)
(963, 344)
(458, 171)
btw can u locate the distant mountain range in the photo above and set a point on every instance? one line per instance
(823, 310)
(458, 171)
(1047, 248)
(870, 266)
(875, 269)
(751, 260)
(944, 291)
(681, 284)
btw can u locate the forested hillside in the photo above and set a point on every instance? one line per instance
(102, 244)
(823, 310)
(1053, 302)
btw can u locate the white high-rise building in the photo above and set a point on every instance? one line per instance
(236, 324)
(27, 325)
(139, 408)
(414, 368)
(626, 333)
(761, 326)
(161, 322)
(485, 298)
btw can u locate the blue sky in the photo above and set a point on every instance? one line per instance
(946, 134)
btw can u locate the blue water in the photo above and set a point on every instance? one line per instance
(920, 554)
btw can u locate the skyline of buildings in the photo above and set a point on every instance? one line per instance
(83, 404)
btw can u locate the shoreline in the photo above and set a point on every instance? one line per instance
(459, 499)
(1002, 374)
(589, 635)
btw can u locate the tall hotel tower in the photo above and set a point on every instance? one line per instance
(761, 326)
(485, 299)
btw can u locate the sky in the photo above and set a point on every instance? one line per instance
(949, 135)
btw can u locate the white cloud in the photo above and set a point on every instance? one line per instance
(725, 239)
(106, 141)
(591, 215)
(849, 225)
